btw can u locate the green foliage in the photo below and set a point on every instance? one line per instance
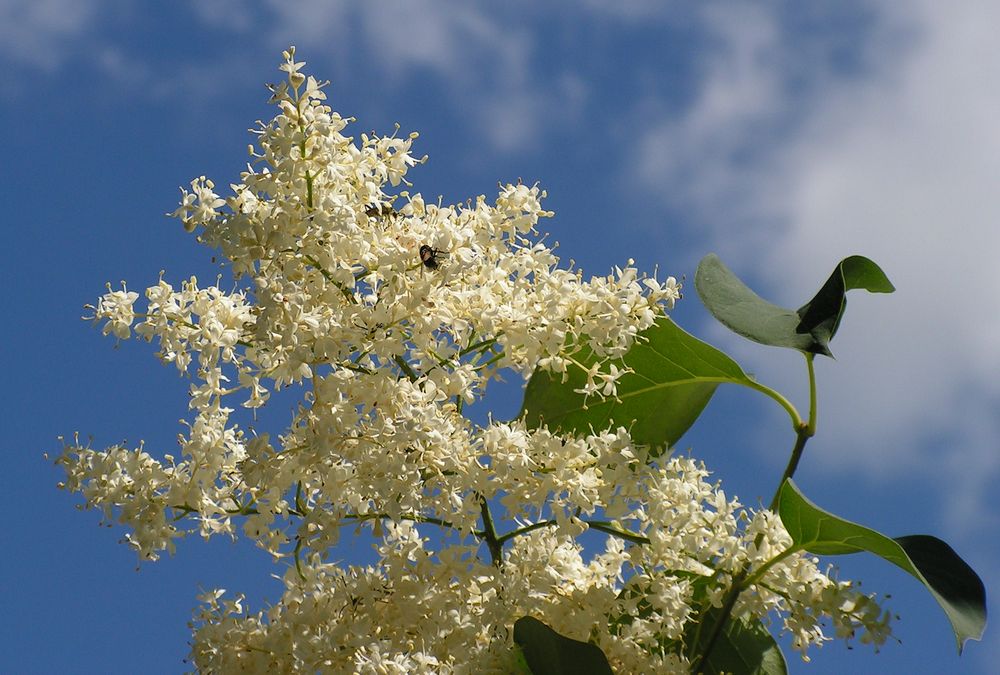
(955, 586)
(674, 374)
(808, 329)
(742, 647)
(549, 653)
(671, 377)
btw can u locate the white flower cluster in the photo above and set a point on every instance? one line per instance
(392, 314)
(433, 609)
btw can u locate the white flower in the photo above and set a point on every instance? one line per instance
(385, 352)
(115, 308)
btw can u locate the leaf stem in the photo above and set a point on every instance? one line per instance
(405, 516)
(724, 611)
(406, 368)
(762, 570)
(298, 559)
(803, 432)
(781, 400)
(802, 435)
(599, 525)
(812, 392)
(490, 534)
(525, 530)
(329, 277)
(608, 528)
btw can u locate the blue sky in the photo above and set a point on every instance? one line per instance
(783, 139)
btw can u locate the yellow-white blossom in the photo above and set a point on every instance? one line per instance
(337, 296)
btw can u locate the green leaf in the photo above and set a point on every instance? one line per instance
(810, 328)
(955, 586)
(675, 375)
(522, 663)
(549, 653)
(743, 647)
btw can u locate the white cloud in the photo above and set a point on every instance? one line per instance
(43, 33)
(789, 161)
(891, 157)
(901, 163)
(739, 93)
(908, 171)
(482, 58)
(233, 15)
(630, 10)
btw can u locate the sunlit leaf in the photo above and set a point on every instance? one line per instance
(955, 586)
(675, 375)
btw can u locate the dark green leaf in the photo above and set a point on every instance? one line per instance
(955, 586)
(675, 375)
(821, 315)
(549, 653)
(742, 647)
(746, 648)
(522, 664)
(810, 329)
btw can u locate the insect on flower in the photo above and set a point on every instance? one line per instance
(429, 256)
(377, 210)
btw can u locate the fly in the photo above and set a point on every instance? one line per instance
(430, 256)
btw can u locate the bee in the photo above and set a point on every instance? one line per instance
(430, 256)
(378, 210)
